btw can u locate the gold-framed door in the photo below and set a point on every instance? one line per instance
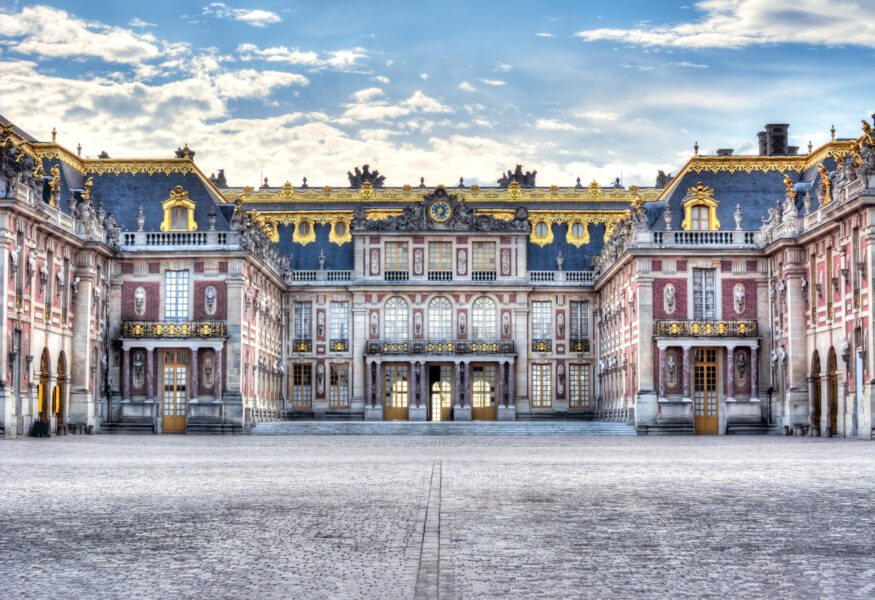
(483, 392)
(440, 395)
(705, 390)
(396, 391)
(174, 377)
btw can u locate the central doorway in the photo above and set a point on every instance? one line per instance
(483, 392)
(397, 389)
(175, 371)
(705, 390)
(440, 396)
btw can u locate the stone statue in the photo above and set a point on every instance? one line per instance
(668, 296)
(209, 370)
(462, 266)
(417, 324)
(559, 260)
(139, 301)
(505, 262)
(13, 259)
(739, 298)
(31, 266)
(662, 179)
(365, 175)
(75, 286)
(463, 322)
(737, 215)
(374, 324)
(139, 369)
(417, 261)
(741, 366)
(505, 324)
(59, 277)
(671, 367)
(210, 300)
(526, 179)
(806, 201)
(375, 261)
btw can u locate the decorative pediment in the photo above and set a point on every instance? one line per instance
(178, 212)
(440, 211)
(701, 195)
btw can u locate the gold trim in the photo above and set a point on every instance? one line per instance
(178, 199)
(333, 237)
(496, 213)
(824, 185)
(574, 240)
(702, 195)
(382, 215)
(534, 237)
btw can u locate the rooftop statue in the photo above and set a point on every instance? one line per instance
(662, 179)
(365, 174)
(526, 179)
(219, 180)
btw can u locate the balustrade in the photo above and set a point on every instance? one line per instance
(704, 328)
(439, 347)
(173, 329)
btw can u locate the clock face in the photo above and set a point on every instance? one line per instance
(440, 211)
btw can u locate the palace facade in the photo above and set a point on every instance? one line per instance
(143, 295)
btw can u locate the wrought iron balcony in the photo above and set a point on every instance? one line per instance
(302, 345)
(483, 275)
(396, 275)
(173, 329)
(542, 345)
(578, 345)
(439, 347)
(338, 345)
(726, 328)
(440, 275)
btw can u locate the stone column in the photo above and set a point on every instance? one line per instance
(661, 374)
(511, 383)
(730, 373)
(423, 385)
(467, 387)
(812, 426)
(457, 384)
(685, 373)
(754, 375)
(367, 383)
(499, 389)
(218, 375)
(378, 397)
(194, 375)
(126, 374)
(150, 373)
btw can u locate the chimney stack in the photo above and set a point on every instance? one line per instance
(773, 141)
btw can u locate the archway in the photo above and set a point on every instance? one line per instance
(61, 390)
(833, 392)
(816, 394)
(42, 390)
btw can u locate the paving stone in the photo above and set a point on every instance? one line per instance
(449, 517)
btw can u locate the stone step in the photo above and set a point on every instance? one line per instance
(127, 428)
(448, 428)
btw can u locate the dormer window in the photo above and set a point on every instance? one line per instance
(178, 212)
(700, 209)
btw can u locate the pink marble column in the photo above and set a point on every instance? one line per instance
(218, 375)
(754, 374)
(126, 374)
(730, 373)
(457, 384)
(661, 373)
(685, 373)
(467, 387)
(511, 383)
(150, 374)
(423, 385)
(378, 397)
(499, 388)
(368, 383)
(194, 375)
(413, 384)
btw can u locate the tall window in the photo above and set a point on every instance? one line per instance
(395, 319)
(484, 256)
(440, 256)
(704, 303)
(179, 218)
(396, 256)
(395, 386)
(579, 325)
(542, 386)
(483, 386)
(338, 386)
(339, 320)
(699, 218)
(303, 320)
(484, 319)
(302, 385)
(440, 319)
(542, 320)
(578, 386)
(175, 295)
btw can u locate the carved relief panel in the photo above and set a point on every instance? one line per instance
(418, 261)
(140, 302)
(505, 262)
(210, 296)
(669, 299)
(462, 261)
(375, 261)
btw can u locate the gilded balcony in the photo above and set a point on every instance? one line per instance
(173, 329)
(706, 328)
(578, 345)
(439, 347)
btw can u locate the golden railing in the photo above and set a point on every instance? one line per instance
(173, 329)
(704, 328)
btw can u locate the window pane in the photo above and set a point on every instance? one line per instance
(579, 386)
(395, 386)
(395, 319)
(176, 295)
(542, 321)
(483, 386)
(302, 385)
(303, 315)
(484, 319)
(440, 319)
(439, 256)
(338, 390)
(339, 320)
(484, 256)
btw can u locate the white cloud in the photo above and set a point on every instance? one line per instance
(555, 125)
(598, 115)
(254, 17)
(423, 76)
(638, 67)
(739, 23)
(249, 83)
(544, 34)
(292, 56)
(493, 82)
(504, 67)
(135, 22)
(686, 64)
(367, 94)
(369, 106)
(380, 78)
(49, 32)
(467, 87)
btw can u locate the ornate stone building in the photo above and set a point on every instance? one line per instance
(144, 295)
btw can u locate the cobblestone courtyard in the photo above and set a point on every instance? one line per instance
(451, 517)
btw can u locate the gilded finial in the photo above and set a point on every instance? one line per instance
(788, 183)
(809, 146)
(79, 150)
(54, 135)
(696, 149)
(832, 133)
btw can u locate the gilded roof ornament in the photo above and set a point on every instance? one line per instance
(54, 135)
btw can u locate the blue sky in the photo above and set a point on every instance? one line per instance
(439, 90)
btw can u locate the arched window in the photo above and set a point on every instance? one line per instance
(699, 218)
(440, 319)
(395, 319)
(484, 319)
(700, 209)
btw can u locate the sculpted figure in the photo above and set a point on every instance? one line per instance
(462, 267)
(417, 261)
(139, 301)
(210, 300)
(375, 261)
(374, 324)
(741, 366)
(138, 363)
(505, 324)
(505, 262)
(671, 368)
(463, 322)
(739, 299)
(669, 298)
